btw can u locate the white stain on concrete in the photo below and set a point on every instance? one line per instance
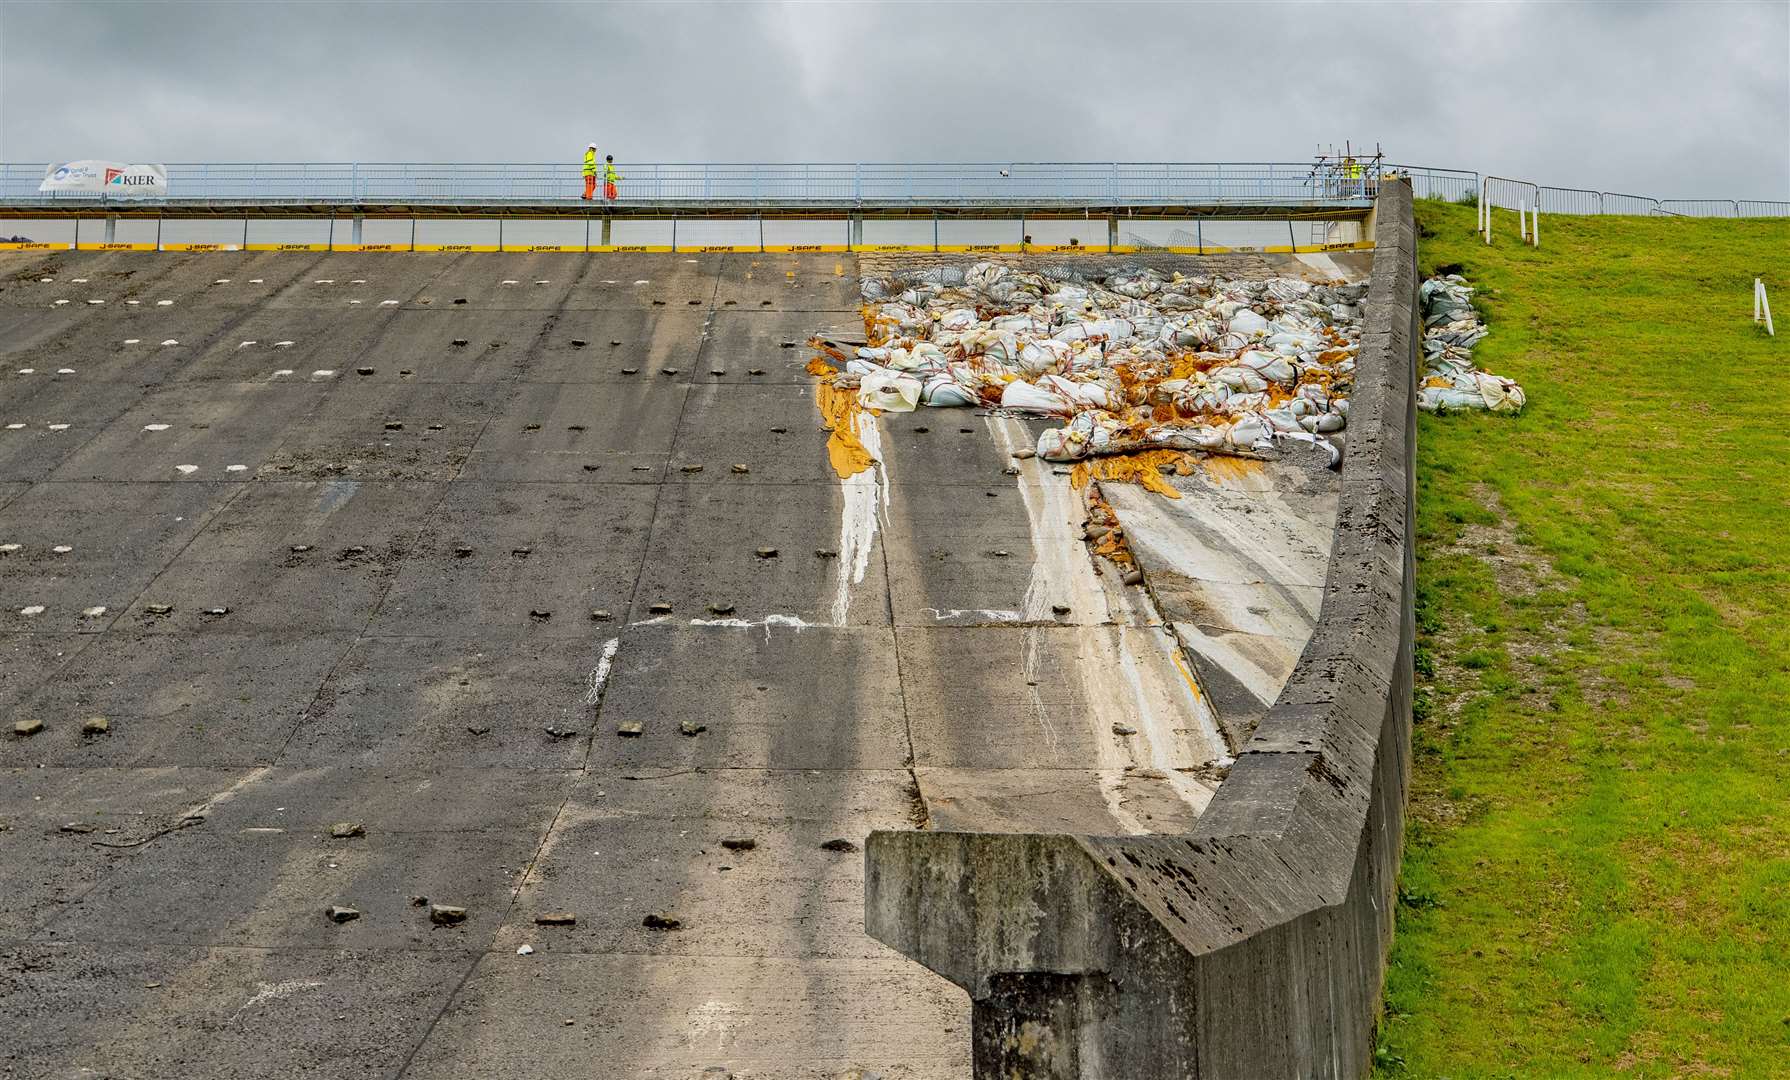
(599, 675)
(714, 1025)
(956, 615)
(274, 992)
(793, 622)
(866, 500)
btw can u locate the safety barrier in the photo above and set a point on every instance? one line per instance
(1615, 202)
(1069, 184)
(1450, 185)
(1558, 200)
(1455, 185)
(992, 185)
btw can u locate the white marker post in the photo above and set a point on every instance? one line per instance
(1762, 307)
(1535, 222)
(1523, 219)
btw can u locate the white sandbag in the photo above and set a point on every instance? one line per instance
(1248, 323)
(889, 391)
(1500, 394)
(1044, 355)
(957, 319)
(1096, 330)
(1240, 379)
(941, 392)
(1025, 397)
(1186, 437)
(1081, 393)
(1270, 366)
(1282, 419)
(1247, 432)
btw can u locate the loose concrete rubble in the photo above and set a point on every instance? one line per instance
(1132, 360)
(1451, 327)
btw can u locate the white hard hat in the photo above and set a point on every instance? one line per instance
(591, 146)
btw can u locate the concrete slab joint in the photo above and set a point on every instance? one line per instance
(1255, 944)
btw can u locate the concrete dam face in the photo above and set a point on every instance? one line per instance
(469, 665)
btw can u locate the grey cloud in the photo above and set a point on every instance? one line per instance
(1668, 99)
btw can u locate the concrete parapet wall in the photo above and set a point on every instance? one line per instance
(1254, 945)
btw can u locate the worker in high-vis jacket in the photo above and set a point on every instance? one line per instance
(610, 178)
(590, 171)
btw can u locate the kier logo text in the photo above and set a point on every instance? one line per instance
(120, 178)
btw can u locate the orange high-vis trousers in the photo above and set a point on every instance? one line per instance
(609, 191)
(590, 185)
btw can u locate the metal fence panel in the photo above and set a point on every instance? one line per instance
(1453, 185)
(1700, 207)
(1763, 208)
(1509, 194)
(1556, 200)
(1616, 202)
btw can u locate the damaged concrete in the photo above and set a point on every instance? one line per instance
(1251, 942)
(449, 582)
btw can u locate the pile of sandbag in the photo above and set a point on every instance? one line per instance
(1132, 360)
(1451, 327)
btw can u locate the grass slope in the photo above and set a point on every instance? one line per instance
(1597, 866)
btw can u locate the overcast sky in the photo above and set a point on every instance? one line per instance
(1670, 100)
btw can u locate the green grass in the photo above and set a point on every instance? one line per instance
(1597, 861)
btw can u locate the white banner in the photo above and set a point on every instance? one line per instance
(111, 178)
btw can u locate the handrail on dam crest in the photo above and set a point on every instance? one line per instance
(1069, 184)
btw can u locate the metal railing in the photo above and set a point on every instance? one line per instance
(1559, 200)
(733, 184)
(1457, 185)
(845, 185)
(1452, 185)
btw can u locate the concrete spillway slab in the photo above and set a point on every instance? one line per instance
(412, 580)
(475, 570)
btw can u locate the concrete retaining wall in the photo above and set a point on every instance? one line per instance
(1255, 945)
